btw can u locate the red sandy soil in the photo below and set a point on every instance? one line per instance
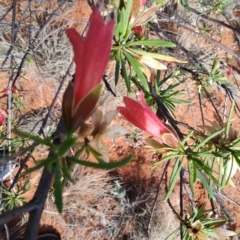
(37, 94)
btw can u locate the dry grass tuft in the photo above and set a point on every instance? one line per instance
(99, 206)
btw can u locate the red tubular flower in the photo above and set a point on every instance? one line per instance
(4, 92)
(2, 119)
(3, 116)
(90, 55)
(229, 72)
(144, 118)
(138, 30)
(14, 89)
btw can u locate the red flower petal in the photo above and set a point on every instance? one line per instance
(14, 89)
(2, 119)
(90, 55)
(4, 92)
(229, 72)
(143, 117)
(138, 30)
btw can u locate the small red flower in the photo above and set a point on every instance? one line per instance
(5, 91)
(144, 118)
(2, 119)
(229, 72)
(138, 30)
(14, 89)
(3, 116)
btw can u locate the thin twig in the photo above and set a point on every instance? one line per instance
(223, 206)
(188, 191)
(219, 200)
(9, 96)
(191, 56)
(31, 46)
(236, 35)
(163, 113)
(91, 4)
(108, 86)
(172, 208)
(225, 109)
(220, 45)
(23, 163)
(6, 13)
(7, 231)
(191, 109)
(195, 75)
(19, 211)
(201, 110)
(15, 28)
(181, 192)
(229, 199)
(55, 98)
(210, 19)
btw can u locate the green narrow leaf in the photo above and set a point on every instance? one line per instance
(66, 173)
(215, 66)
(165, 80)
(214, 223)
(169, 237)
(210, 154)
(58, 188)
(151, 42)
(80, 151)
(220, 177)
(186, 235)
(37, 139)
(201, 144)
(66, 145)
(235, 142)
(213, 167)
(137, 68)
(157, 56)
(158, 76)
(125, 76)
(205, 184)
(201, 164)
(128, 32)
(169, 156)
(192, 175)
(121, 23)
(229, 120)
(95, 153)
(50, 164)
(126, 20)
(227, 174)
(39, 164)
(175, 173)
(117, 70)
(103, 165)
(117, 33)
(116, 3)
